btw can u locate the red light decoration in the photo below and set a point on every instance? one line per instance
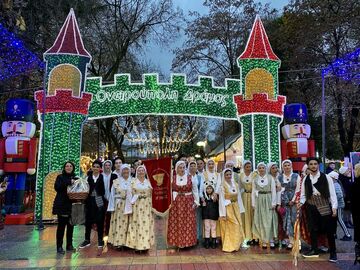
(260, 104)
(63, 101)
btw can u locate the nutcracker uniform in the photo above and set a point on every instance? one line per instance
(17, 151)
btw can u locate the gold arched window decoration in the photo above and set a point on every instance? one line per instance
(259, 81)
(65, 77)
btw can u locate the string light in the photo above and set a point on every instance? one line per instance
(151, 97)
(260, 109)
(15, 59)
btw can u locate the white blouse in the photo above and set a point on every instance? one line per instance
(113, 200)
(182, 181)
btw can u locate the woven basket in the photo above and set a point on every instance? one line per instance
(78, 195)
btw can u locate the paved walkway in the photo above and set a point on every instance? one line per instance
(23, 247)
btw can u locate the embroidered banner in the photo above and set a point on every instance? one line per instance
(159, 174)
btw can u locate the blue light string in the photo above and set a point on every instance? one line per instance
(15, 59)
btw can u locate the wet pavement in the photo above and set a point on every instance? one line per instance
(21, 247)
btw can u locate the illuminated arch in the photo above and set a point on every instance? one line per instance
(65, 77)
(257, 81)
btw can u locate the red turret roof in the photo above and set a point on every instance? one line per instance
(258, 45)
(69, 39)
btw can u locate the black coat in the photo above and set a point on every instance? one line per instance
(210, 210)
(62, 203)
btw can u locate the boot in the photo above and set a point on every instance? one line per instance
(9, 193)
(213, 243)
(207, 243)
(19, 201)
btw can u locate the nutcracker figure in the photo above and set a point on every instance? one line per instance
(17, 151)
(296, 145)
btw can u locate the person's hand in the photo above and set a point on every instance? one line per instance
(334, 212)
(277, 207)
(215, 198)
(291, 203)
(278, 188)
(273, 208)
(222, 218)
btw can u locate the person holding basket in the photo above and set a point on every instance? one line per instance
(62, 207)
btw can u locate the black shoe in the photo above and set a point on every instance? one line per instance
(85, 244)
(70, 248)
(213, 243)
(60, 251)
(311, 254)
(346, 238)
(333, 257)
(207, 243)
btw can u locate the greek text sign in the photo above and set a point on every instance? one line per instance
(151, 97)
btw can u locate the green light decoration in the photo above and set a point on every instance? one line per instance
(152, 97)
(70, 98)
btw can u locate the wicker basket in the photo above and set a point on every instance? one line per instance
(78, 195)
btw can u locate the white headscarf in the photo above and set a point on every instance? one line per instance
(222, 204)
(178, 164)
(269, 166)
(107, 161)
(286, 161)
(229, 162)
(137, 169)
(260, 164)
(146, 177)
(125, 166)
(207, 166)
(246, 162)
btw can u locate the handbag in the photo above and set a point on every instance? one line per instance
(77, 214)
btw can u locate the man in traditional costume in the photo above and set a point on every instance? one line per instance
(318, 193)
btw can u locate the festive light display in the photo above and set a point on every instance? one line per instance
(63, 107)
(346, 68)
(260, 108)
(70, 98)
(15, 59)
(152, 97)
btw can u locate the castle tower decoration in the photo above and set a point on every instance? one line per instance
(62, 110)
(259, 107)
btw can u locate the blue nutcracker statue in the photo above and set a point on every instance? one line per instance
(18, 151)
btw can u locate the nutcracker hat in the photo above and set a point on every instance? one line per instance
(19, 109)
(295, 113)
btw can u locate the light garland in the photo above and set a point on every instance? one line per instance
(260, 108)
(69, 100)
(15, 59)
(152, 97)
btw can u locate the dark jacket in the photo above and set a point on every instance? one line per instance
(210, 210)
(98, 186)
(62, 203)
(346, 183)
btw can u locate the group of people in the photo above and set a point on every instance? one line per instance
(253, 207)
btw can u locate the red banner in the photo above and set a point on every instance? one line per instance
(159, 173)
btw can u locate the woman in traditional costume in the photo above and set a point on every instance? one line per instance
(182, 215)
(140, 234)
(290, 185)
(265, 223)
(230, 209)
(118, 201)
(192, 168)
(245, 184)
(211, 176)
